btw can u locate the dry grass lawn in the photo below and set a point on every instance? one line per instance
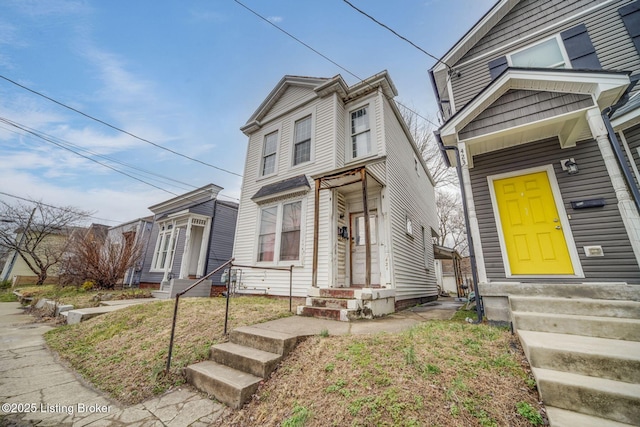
(440, 373)
(124, 353)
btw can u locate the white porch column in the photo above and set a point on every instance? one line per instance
(471, 210)
(204, 248)
(169, 260)
(186, 255)
(628, 211)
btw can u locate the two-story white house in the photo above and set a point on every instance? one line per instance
(335, 187)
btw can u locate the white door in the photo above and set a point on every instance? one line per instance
(358, 249)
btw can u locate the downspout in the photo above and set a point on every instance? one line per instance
(472, 254)
(613, 139)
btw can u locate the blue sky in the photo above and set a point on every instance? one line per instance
(185, 75)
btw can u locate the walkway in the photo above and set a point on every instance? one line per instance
(37, 389)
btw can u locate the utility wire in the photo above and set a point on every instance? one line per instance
(16, 125)
(297, 39)
(51, 206)
(395, 33)
(116, 128)
(334, 63)
(110, 159)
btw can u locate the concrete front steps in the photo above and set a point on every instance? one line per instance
(169, 289)
(237, 367)
(585, 356)
(346, 304)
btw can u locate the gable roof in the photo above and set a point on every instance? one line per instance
(471, 37)
(321, 86)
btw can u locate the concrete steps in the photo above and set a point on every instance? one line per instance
(347, 304)
(585, 356)
(238, 366)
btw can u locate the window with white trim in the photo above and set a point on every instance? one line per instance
(360, 132)
(546, 54)
(269, 151)
(302, 141)
(164, 251)
(279, 232)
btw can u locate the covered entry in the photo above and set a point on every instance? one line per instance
(361, 234)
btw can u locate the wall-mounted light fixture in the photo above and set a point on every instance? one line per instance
(569, 165)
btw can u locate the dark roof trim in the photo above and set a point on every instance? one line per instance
(297, 183)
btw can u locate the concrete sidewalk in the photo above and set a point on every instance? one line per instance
(36, 389)
(40, 390)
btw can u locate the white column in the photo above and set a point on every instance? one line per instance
(204, 248)
(169, 260)
(186, 255)
(473, 218)
(628, 211)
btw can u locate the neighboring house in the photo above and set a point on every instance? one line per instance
(192, 235)
(17, 270)
(322, 157)
(136, 232)
(539, 100)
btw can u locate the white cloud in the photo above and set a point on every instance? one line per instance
(275, 19)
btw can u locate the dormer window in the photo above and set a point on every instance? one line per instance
(360, 132)
(269, 151)
(547, 54)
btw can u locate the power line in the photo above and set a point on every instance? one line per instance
(297, 39)
(333, 62)
(111, 159)
(117, 128)
(16, 125)
(396, 33)
(54, 207)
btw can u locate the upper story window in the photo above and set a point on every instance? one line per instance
(302, 141)
(547, 54)
(269, 151)
(360, 132)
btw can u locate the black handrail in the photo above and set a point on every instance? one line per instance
(175, 307)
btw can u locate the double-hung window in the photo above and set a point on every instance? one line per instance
(302, 142)
(269, 151)
(360, 132)
(163, 254)
(279, 235)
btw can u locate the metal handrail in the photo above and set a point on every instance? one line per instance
(289, 269)
(175, 307)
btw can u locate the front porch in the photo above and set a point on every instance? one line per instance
(347, 304)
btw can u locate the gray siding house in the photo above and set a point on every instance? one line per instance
(541, 115)
(192, 235)
(335, 186)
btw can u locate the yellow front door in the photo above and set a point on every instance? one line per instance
(533, 234)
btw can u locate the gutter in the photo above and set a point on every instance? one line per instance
(472, 255)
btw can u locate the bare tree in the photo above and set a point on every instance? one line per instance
(38, 234)
(96, 257)
(422, 132)
(451, 223)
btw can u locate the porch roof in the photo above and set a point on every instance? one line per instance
(285, 187)
(605, 87)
